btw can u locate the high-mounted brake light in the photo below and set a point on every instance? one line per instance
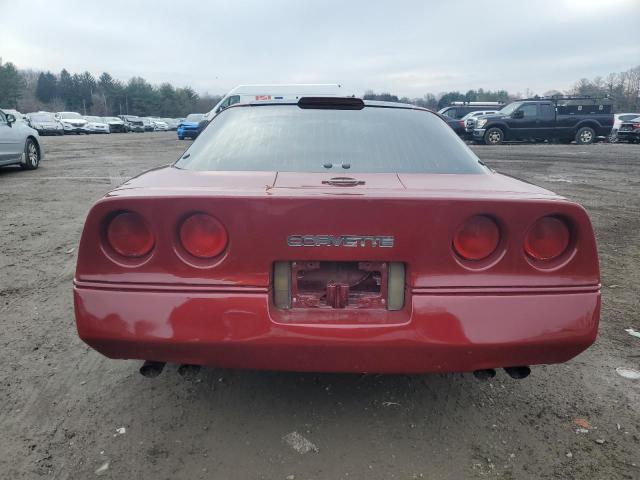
(129, 235)
(203, 236)
(547, 239)
(477, 238)
(331, 103)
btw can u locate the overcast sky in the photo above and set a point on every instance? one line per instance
(402, 46)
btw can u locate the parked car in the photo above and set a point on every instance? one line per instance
(159, 125)
(469, 120)
(148, 124)
(73, 122)
(116, 125)
(172, 123)
(97, 124)
(45, 123)
(461, 125)
(629, 131)
(268, 93)
(618, 118)
(19, 143)
(457, 110)
(378, 242)
(565, 119)
(133, 123)
(190, 126)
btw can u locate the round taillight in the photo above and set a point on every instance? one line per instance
(129, 235)
(203, 236)
(477, 238)
(547, 239)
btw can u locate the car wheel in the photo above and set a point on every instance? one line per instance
(31, 155)
(585, 136)
(493, 136)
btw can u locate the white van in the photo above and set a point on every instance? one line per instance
(268, 93)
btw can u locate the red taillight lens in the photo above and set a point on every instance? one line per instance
(547, 239)
(203, 236)
(477, 238)
(129, 235)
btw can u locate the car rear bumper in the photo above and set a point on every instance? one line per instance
(49, 131)
(188, 132)
(442, 332)
(77, 130)
(628, 135)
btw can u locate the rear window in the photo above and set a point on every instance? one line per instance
(291, 139)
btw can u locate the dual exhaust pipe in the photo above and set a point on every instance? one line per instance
(517, 373)
(152, 369)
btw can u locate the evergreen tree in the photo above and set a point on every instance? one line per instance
(66, 89)
(46, 87)
(12, 85)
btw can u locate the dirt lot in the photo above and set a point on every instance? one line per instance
(61, 402)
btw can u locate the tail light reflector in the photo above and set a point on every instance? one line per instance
(203, 236)
(477, 238)
(547, 239)
(129, 235)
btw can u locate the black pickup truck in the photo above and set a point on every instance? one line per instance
(563, 119)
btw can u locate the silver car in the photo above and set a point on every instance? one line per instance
(19, 143)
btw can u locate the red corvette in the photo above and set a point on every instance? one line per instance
(336, 235)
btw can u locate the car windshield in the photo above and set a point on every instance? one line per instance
(112, 119)
(94, 119)
(509, 109)
(42, 117)
(194, 117)
(289, 138)
(71, 115)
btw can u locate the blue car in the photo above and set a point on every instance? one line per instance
(189, 127)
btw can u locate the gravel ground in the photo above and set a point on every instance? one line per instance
(67, 412)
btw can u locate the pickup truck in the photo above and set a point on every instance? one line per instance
(564, 119)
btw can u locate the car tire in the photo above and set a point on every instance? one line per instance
(31, 154)
(493, 136)
(585, 136)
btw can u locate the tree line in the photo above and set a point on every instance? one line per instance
(27, 91)
(623, 88)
